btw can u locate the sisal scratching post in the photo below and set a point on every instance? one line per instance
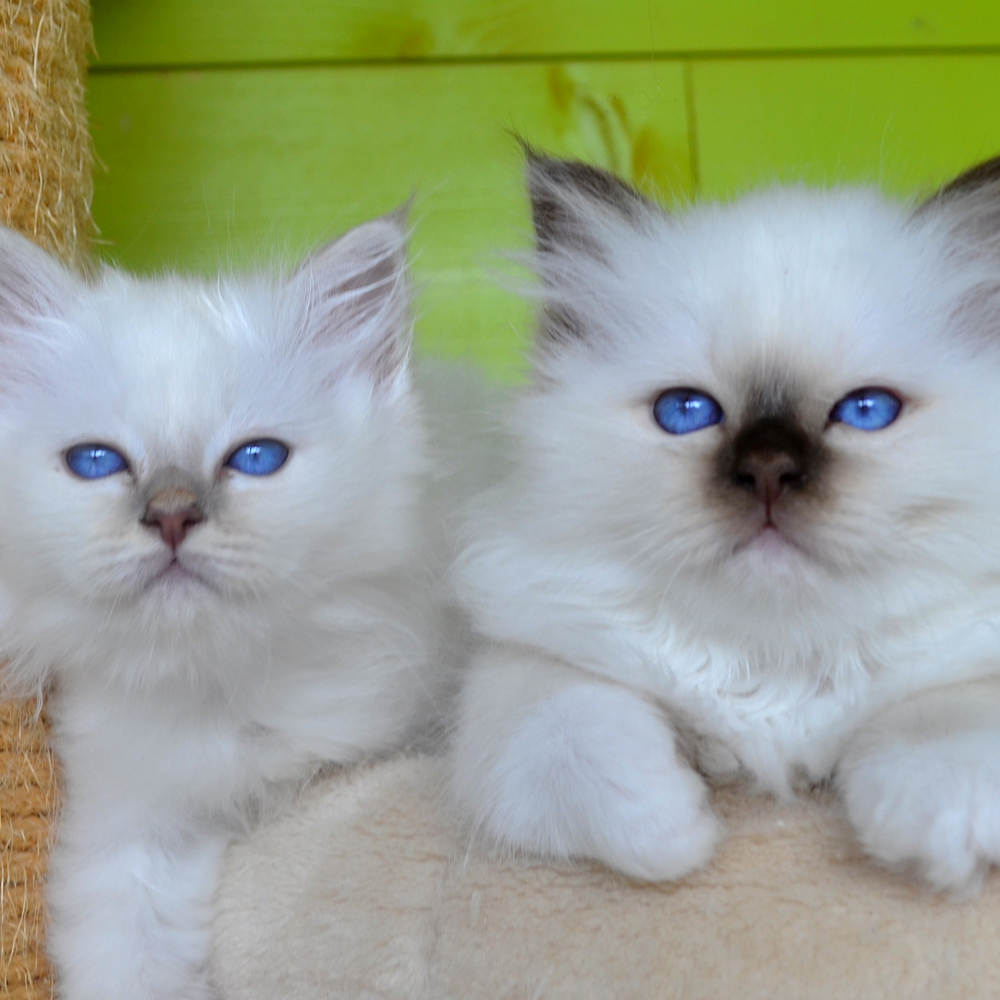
(45, 151)
(28, 792)
(45, 192)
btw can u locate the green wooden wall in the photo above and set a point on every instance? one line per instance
(232, 130)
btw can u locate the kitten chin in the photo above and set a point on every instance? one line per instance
(215, 550)
(754, 495)
(772, 554)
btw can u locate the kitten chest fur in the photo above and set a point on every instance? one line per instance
(754, 709)
(766, 688)
(219, 752)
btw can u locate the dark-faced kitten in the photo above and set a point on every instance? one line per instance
(753, 529)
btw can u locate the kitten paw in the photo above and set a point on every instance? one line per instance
(593, 772)
(932, 806)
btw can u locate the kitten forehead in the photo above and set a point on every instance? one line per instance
(784, 288)
(175, 371)
(198, 315)
(187, 343)
(782, 254)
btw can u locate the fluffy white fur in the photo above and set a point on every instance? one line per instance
(642, 632)
(294, 627)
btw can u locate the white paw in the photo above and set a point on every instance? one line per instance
(592, 772)
(933, 806)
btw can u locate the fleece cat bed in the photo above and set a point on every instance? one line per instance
(45, 193)
(365, 891)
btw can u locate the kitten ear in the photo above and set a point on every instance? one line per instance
(971, 205)
(33, 285)
(583, 216)
(357, 294)
(577, 208)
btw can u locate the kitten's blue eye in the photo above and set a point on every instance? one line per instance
(258, 458)
(868, 409)
(95, 461)
(681, 411)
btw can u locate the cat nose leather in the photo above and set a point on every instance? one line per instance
(173, 511)
(767, 474)
(771, 455)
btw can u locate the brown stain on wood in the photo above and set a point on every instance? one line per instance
(399, 36)
(599, 128)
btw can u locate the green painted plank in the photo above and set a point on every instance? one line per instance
(211, 167)
(906, 123)
(205, 32)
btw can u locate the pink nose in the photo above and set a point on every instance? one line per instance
(173, 511)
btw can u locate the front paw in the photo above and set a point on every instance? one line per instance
(932, 806)
(593, 772)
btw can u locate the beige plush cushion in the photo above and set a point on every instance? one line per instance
(365, 891)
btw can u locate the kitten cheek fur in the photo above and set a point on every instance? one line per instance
(296, 620)
(634, 558)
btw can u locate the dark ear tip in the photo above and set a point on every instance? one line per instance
(549, 176)
(985, 174)
(541, 167)
(530, 152)
(542, 172)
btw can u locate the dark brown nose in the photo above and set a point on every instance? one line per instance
(768, 473)
(173, 511)
(771, 456)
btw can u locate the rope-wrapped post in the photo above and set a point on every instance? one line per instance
(28, 798)
(45, 149)
(45, 193)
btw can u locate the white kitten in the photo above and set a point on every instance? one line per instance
(210, 544)
(753, 530)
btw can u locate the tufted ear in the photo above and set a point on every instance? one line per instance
(357, 297)
(576, 207)
(968, 210)
(34, 287)
(583, 218)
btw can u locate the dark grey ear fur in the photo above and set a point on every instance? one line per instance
(575, 207)
(968, 208)
(985, 174)
(570, 200)
(359, 296)
(971, 203)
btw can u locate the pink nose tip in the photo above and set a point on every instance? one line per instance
(173, 511)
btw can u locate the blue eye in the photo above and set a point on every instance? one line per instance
(258, 458)
(95, 461)
(868, 409)
(681, 411)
